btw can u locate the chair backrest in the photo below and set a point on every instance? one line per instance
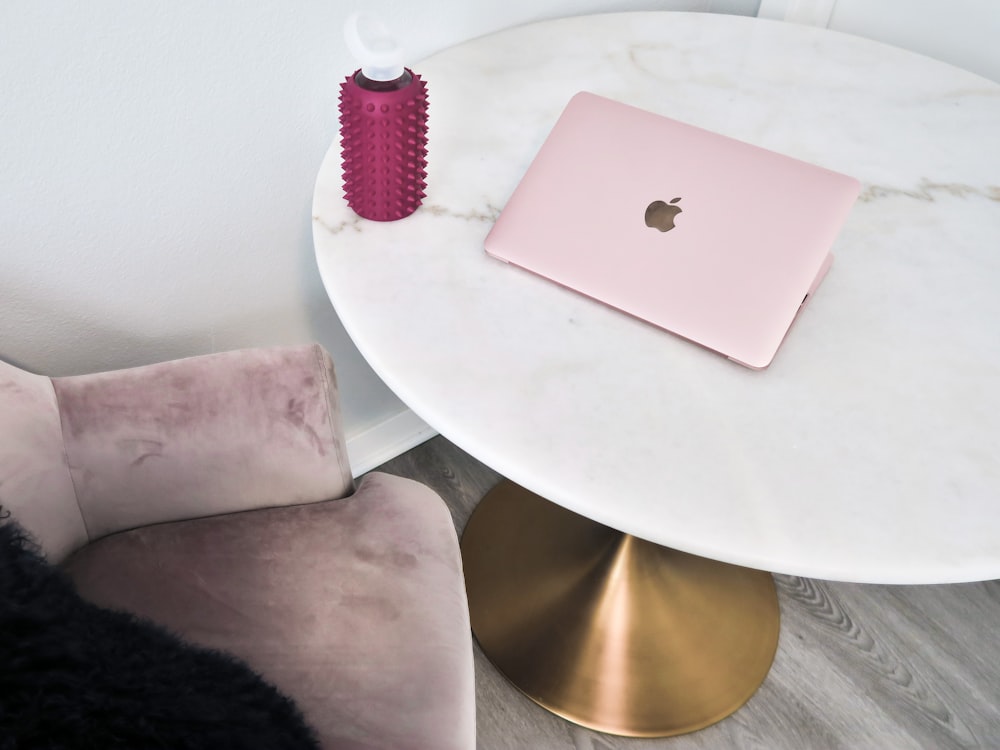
(35, 482)
(86, 456)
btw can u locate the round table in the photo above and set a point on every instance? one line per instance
(867, 452)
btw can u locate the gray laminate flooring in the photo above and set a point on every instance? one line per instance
(858, 666)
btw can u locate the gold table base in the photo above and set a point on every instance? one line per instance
(610, 631)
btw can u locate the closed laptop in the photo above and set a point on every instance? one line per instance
(710, 238)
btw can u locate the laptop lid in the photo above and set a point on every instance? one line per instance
(710, 238)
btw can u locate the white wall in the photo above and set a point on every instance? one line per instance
(157, 161)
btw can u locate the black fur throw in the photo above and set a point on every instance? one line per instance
(74, 675)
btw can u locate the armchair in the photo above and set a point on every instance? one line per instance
(213, 496)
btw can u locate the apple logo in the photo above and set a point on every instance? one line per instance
(660, 215)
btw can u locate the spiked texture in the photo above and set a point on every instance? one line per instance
(383, 139)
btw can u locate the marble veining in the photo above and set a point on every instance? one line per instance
(866, 452)
(926, 190)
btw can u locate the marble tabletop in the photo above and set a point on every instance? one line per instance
(868, 451)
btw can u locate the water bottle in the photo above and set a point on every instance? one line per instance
(383, 126)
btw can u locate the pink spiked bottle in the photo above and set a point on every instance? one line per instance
(383, 126)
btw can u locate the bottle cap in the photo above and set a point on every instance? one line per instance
(375, 49)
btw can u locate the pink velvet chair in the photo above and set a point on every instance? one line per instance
(213, 495)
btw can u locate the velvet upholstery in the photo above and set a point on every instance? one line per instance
(213, 495)
(202, 436)
(34, 480)
(77, 676)
(320, 599)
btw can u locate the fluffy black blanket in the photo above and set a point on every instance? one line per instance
(74, 675)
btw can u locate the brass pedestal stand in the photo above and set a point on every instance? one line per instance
(607, 630)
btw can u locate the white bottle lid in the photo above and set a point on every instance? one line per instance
(375, 49)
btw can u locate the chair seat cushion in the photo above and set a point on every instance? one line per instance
(75, 675)
(355, 608)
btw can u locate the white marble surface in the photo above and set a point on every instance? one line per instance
(869, 450)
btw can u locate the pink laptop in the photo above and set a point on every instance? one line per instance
(710, 238)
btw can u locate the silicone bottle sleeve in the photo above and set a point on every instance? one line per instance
(383, 126)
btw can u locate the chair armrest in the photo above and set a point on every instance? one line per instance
(203, 436)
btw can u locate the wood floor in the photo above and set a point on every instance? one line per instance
(858, 666)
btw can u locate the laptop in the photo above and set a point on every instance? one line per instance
(710, 238)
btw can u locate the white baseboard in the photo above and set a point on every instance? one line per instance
(386, 440)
